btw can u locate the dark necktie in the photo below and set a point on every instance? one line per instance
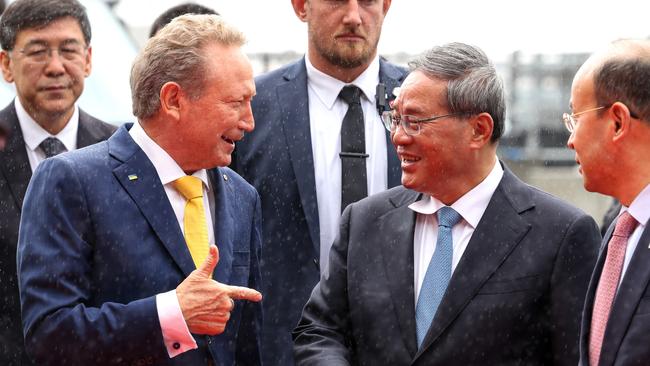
(353, 149)
(52, 146)
(438, 273)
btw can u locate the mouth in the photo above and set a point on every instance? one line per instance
(408, 159)
(53, 88)
(351, 37)
(228, 140)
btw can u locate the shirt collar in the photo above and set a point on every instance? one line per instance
(327, 88)
(34, 134)
(471, 205)
(166, 167)
(640, 207)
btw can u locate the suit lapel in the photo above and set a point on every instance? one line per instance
(140, 180)
(500, 230)
(86, 133)
(292, 98)
(397, 253)
(635, 282)
(14, 162)
(224, 223)
(392, 77)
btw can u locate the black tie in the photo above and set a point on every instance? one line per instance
(353, 149)
(52, 146)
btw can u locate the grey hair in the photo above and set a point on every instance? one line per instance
(175, 54)
(473, 85)
(625, 77)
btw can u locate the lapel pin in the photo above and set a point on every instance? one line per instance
(133, 177)
(225, 177)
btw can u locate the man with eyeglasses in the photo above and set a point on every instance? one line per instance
(462, 265)
(46, 53)
(610, 133)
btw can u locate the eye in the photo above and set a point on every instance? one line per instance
(36, 52)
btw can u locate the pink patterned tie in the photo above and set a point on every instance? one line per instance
(608, 284)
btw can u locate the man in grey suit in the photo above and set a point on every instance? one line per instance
(610, 131)
(464, 264)
(46, 53)
(298, 158)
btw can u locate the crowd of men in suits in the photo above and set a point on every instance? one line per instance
(340, 210)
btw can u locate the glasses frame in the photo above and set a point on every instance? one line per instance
(388, 119)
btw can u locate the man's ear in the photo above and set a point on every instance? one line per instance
(5, 62)
(170, 99)
(299, 7)
(482, 126)
(89, 61)
(620, 115)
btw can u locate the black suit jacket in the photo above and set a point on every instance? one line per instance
(276, 158)
(627, 335)
(15, 173)
(514, 298)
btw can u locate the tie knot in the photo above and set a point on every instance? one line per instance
(350, 94)
(448, 217)
(52, 146)
(189, 186)
(625, 225)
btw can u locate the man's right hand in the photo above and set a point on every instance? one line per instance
(206, 304)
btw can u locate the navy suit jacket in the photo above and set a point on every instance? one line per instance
(99, 239)
(15, 173)
(627, 335)
(276, 158)
(514, 299)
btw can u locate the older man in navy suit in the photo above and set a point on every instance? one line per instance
(141, 250)
(311, 154)
(610, 133)
(464, 264)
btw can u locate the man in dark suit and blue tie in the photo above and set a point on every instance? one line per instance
(319, 144)
(46, 54)
(143, 249)
(610, 133)
(464, 264)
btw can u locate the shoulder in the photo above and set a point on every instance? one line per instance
(382, 202)
(283, 73)
(240, 186)
(94, 126)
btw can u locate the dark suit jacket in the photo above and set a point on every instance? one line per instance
(514, 298)
(277, 160)
(96, 246)
(627, 335)
(15, 173)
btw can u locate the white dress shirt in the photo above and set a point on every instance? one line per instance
(34, 134)
(640, 210)
(470, 206)
(326, 112)
(176, 334)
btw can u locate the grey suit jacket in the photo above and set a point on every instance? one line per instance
(627, 335)
(514, 299)
(277, 160)
(15, 174)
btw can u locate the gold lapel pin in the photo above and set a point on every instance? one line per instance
(133, 177)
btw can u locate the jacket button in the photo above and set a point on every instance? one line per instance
(176, 345)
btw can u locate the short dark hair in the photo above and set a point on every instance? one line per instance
(473, 84)
(178, 10)
(24, 14)
(626, 80)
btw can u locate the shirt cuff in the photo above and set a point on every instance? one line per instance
(176, 335)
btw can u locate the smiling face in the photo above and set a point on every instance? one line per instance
(343, 34)
(48, 90)
(434, 161)
(211, 123)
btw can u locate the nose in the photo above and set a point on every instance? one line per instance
(352, 15)
(247, 121)
(399, 137)
(54, 65)
(569, 142)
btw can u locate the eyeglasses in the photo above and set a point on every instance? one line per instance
(41, 54)
(570, 119)
(410, 124)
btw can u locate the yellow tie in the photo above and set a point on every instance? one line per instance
(194, 223)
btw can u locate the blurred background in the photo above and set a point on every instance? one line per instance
(537, 47)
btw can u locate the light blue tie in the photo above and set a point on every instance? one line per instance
(438, 273)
